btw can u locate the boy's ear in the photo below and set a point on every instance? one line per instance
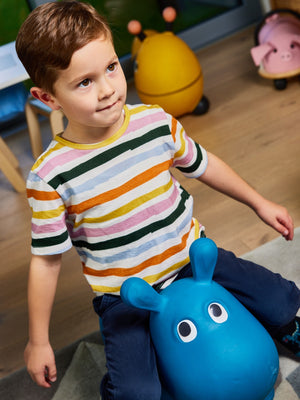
(45, 97)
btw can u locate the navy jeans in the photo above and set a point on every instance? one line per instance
(131, 363)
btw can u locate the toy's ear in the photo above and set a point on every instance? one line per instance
(259, 52)
(273, 17)
(296, 39)
(203, 256)
(138, 293)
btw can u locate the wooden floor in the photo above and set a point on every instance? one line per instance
(253, 127)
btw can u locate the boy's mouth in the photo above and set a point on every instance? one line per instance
(107, 107)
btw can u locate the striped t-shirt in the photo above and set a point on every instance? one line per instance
(117, 202)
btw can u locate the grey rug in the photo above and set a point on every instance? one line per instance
(82, 364)
(283, 257)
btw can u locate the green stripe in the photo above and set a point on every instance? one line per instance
(124, 240)
(108, 155)
(195, 166)
(50, 241)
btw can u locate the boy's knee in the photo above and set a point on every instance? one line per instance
(281, 310)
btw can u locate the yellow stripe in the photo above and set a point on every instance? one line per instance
(41, 159)
(48, 214)
(105, 289)
(127, 207)
(137, 110)
(197, 228)
(154, 278)
(181, 151)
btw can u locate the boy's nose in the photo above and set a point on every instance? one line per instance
(106, 90)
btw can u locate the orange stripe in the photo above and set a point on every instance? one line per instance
(174, 128)
(39, 195)
(154, 278)
(138, 268)
(119, 191)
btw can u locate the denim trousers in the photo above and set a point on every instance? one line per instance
(130, 356)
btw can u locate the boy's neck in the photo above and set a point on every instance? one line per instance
(90, 135)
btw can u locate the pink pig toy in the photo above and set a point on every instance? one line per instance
(277, 50)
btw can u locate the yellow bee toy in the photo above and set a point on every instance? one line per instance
(166, 70)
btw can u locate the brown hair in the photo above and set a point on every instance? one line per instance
(52, 33)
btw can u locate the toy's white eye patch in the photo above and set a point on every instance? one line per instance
(217, 313)
(186, 330)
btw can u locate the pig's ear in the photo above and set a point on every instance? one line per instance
(272, 17)
(260, 51)
(296, 39)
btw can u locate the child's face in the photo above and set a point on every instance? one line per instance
(92, 92)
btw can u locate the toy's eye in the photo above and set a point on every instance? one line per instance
(186, 330)
(217, 313)
(274, 50)
(292, 46)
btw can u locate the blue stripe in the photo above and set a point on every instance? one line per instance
(115, 170)
(144, 247)
(33, 177)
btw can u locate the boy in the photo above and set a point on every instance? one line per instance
(104, 186)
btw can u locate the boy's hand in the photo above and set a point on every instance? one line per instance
(40, 363)
(277, 217)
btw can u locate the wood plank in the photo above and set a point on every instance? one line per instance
(9, 167)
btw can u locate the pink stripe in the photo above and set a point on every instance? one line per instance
(145, 120)
(62, 159)
(48, 228)
(130, 222)
(189, 155)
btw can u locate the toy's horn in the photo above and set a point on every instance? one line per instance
(135, 28)
(169, 15)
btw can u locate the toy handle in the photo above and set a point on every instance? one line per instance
(268, 15)
(203, 256)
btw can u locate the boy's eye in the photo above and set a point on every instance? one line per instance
(85, 83)
(112, 67)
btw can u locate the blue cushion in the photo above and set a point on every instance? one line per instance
(12, 102)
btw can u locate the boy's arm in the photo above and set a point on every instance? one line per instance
(222, 178)
(39, 356)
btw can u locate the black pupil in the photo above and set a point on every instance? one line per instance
(184, 329)
(216, 310)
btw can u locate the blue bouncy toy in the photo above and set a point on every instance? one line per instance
(208, 345)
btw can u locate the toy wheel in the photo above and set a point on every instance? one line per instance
(202, 107)
(280, 84)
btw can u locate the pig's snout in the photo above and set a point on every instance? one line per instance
(286, 56)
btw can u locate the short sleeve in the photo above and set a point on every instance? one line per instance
(49, 231)
(190, 158)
